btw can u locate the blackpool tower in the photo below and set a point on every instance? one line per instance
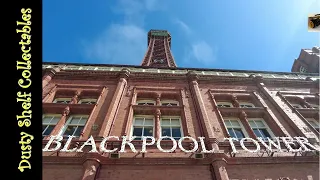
(159, 50)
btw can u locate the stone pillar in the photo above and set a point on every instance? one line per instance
(61, 122)
(75, 98)
(235, 101)
(87, 130)
(131, 113)
(204, 122)
(245, 122)
(91, 168)
(157, 124)
(115, 102)
(218, 170)
(49, 75)
(158, 101)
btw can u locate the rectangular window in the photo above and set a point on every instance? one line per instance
(48, 123)
(169, 103)
(246, 105)
(171, 126)
(260, 128)
(296, 106)
(143, 126)
(224, 104)
(87, 101)
(146, 102)
(314, 123)
(62, 100)
(74, 126)
(235, 128)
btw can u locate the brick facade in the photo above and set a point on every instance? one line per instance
(107, 100)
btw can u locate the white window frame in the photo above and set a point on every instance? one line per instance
(241, 126)
(170, 126)
(146, 101)
(62, 99)
(315, 121)
(314, 106)
(93, 101)
(49, 124)
(294, 104)
(264, 123)
(143, 116)
(224, 103)
(64, 128)
(169, 101)
(246, 103)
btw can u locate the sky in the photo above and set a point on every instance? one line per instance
(264, 35)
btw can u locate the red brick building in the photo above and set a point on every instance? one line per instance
(160, 99)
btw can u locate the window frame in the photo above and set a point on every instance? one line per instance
(64, 128)
(46, 115)
(88, 99)
(169, 101)
(246, 103)
(224, 103)
(269, 130)
(143, 116)
(295, 104)
(315, 121)
(61, 99)
(172, 117)
(146, 101)
(243, 129)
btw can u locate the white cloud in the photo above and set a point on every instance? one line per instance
(126, 42)
(119, 44)
(183, 26)
(203, 52)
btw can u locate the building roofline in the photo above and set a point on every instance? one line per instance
(179, 68)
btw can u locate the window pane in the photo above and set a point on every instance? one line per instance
(78, 131)
(55, 120)
(48, 130)
(252, 124)
(239, 133)
(137, 131)
(259, 123)
(165, 122)
(46, 120)
(235, 123)
(176, 132)
(69, 130)
(83, 121)
(175, 122)
(265, 133)
(75, 120)
(148, 122)
(227, 122)
(148, 132)
(314, 124)
(166, 132)
(231, 133)
(257, 133)
(138, 121)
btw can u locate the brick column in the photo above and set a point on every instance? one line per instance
(93, 116)
(49, 75)
(61, 122)
(75, 98)
(218, 169)
(157, 124)
(115, 103)
(244, 120)
(91, 168)
(131, 113)
(202, 115)
(235, 101)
